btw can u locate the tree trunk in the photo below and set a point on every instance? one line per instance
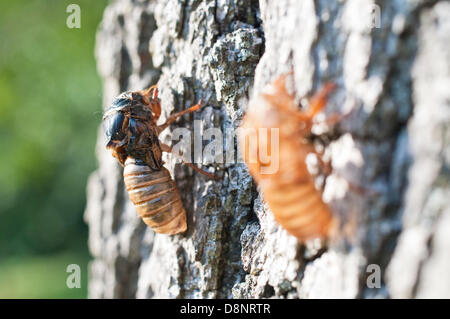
(389, 154)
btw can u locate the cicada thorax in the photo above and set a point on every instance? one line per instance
(155, 196)
(290, 192)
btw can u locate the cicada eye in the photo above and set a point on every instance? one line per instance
(112, 126)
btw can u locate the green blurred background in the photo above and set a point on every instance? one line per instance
(50, 108)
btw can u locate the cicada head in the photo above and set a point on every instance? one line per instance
(129, 107)
(115, 122)
(114, 130)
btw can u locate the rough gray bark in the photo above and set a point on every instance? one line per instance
(394, 145)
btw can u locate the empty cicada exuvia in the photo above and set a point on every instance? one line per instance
(290, 191)
(132, 135)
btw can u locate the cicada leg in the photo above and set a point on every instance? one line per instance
(168, 149)
(153, 101)
(285, 101)
(153, 88)
(174, 116)
(319, 100)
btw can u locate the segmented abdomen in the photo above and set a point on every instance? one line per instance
(156, 198)
(299, 208)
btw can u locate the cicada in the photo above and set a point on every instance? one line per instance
(290, 192)
(130, 126)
